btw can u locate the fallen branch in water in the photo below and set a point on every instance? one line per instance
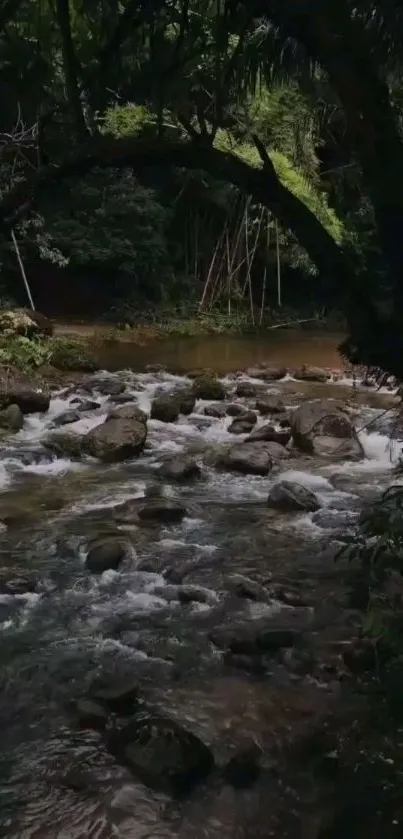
(293, 323)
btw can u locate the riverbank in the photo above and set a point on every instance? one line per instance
(160, 324)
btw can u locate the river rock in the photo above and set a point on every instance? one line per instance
(235, 410)
(162, 510)
(270, 405)
(269, 434)
(116, 440)
(72, 415)
(243, 423)
(208, 387)
(186, 400)
(120, 696)
(165, 408)
(91, 715)
(155, 367)
(289, 496)
(311, 374)
(243, 769)
(105, 552)
(245, 587)
(108, 386)
(161, 753)
(64, 444)
(29, 401)
(17, 584)
(216, 410)
(11, 418)
(248, 458)
(196, 594)
(180, 469)
(128, 411)
(254, 637)
(322, 427)
(267, 374)
(334, 519)
(84, 405)
(246, 390)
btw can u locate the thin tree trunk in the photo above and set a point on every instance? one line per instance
(71, 68)
(278, 264)
(265, 269)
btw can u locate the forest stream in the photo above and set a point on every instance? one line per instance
(213, 557)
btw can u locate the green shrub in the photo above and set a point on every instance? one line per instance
(68, 354)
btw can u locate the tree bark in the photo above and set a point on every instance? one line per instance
(71, 68)
(262, 184)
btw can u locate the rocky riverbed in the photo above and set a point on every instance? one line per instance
(173, 623)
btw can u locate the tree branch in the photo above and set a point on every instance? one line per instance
(263, 185)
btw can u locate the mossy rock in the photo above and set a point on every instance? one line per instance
(73, 356)
(208, 387)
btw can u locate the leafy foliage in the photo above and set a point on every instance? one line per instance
(377, 554)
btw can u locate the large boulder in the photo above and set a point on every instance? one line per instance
(161, 510)
(246, 390)
(216, 410)
(248, 459)
(25, 323)
(267, 374)
(208, 387)
(311, 374)
(105, 552)
(161, 753)
(116, 440)
(290, 496)
(165, 408)
(29, 401)
(109, 386)
(270, 405)
(243, 424)
(67, 417)
(267, 635)
(11, 418)
(186, 399)
(180, 468)
(129, 411)
(322, 427)
(269, 434)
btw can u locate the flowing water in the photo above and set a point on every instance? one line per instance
(59, 782)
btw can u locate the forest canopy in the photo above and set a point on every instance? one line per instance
(185, 149)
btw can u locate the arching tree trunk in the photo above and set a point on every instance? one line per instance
(338, 42)
(262, 184)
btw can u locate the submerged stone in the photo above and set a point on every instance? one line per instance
(162, 754)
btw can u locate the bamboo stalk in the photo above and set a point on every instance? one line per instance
(279, 303)
(210, 270)
(22, 269)
(265, 269)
